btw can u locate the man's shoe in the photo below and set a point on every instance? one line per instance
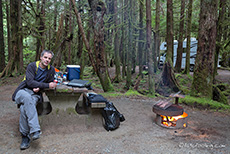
(25, 143)
(36, 135)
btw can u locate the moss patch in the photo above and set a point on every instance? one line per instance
(204, 103)
(132, 93)
(184, 82)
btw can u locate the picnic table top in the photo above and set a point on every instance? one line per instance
(62, 88)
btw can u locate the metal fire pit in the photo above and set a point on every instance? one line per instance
(164, 116)
(180, 123)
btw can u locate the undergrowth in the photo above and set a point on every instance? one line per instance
(204, 103)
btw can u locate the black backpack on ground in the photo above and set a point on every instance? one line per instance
(112, 117)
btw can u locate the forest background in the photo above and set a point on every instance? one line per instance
(124, 34)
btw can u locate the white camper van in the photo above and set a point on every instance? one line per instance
(193, 52)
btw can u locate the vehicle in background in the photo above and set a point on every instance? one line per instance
(193, 52)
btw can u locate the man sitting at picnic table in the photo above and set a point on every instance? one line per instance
(39, 75)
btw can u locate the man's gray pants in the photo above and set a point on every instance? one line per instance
(28, 122)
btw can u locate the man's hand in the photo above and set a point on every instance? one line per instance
(36, 90)
(52, 85)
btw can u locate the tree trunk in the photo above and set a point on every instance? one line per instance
(55, 15)
(58, 43)
(8, 31)
(180, 41)
(188, 44)
(221, 17)
(98, 11)
(116, 46)
(80, 53)
(202, 84)
(2, 46)
(141, 38)
(41, 28)
(16, 29)
(69, 41)
(149, 48)
(169, 31)
(99, 65)
(15, 64)
(130, 47)
(157, 34)
(122, 47)
(168, 82)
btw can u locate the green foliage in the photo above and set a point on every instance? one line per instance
(28, 56)
(205, 103)
(184, 82)
(112, 94)
(144, 72)
(218, 95)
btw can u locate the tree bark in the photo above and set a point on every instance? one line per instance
(122, 47)
(157, 32)
(58, 43)
(168, 83)
(202, 84)
(69, 41)
(8, 31)
(180, 41)
(141, 38)
(99, 65)
(188, 43)
(98, 11)
(15, 64)
(149, 48)
(116, 46)
(2, 46)
(55, 15)
(16, 29)
(220, 23)
(130, 47)
(41, 28)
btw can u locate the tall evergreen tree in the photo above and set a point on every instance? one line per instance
(141, 36)
(168, 82)
(180, 41)
(204, 68)
(116, 45)
(98, 11)
(2, 46)
(188, 46)
(149, 48)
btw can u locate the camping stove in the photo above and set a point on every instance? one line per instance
(170, 117)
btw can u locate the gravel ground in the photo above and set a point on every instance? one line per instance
(207, 132)
(68, 132)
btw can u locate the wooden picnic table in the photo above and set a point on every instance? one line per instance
(63, 96)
